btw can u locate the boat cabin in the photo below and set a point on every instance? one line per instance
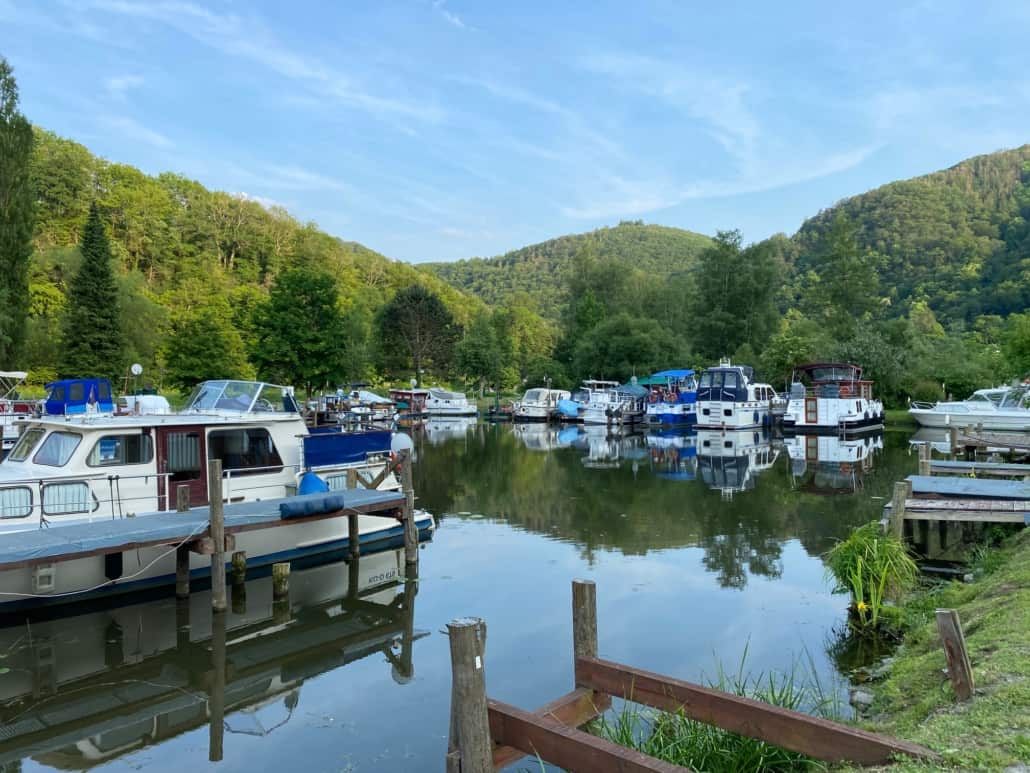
(411, 400)
(829, 380)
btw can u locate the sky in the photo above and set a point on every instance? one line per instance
(446, 129)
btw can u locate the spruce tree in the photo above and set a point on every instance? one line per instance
(17, 219)
(92, 344)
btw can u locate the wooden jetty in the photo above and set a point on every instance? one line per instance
(968, 441)
(979, 469)
(487, 734)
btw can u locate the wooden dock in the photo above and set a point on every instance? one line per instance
(980, 469)
(968, 441)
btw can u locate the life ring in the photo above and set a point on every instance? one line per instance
(845, 390)
(845, 468)
(654, 397)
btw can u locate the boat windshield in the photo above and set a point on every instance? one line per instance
(534, 395)
(1016, 398)
(26, 444)
(241, 396)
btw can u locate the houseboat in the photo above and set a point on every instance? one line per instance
(831, 397)
(538, 404)
(93, 468)
(440, 402)
(728, 397)
(572, 409)
(673, 397)
(411, 403)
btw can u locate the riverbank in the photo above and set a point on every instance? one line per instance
(916, 702)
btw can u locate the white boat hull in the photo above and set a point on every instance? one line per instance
(731, 415)
(992, 420)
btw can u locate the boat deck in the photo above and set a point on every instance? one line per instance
(101, 537)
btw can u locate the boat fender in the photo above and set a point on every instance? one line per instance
(756, 417)
(310, 483)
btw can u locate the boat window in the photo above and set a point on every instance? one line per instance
(730, 380)
(183, 456)
(25, 445)
(244, 451)
(77, 392)
(104, 390)
(706, 381)
(121, 449)
(276, 398)
(57, 449)
(57, 393)
(15, 502)
(64, 498)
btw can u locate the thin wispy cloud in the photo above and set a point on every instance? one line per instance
(133, 130)
(118, 85)
(451, 18)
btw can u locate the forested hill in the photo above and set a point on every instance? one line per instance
(183, 251)
(958, 238)
(541, 269)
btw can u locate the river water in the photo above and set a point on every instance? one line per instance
(703, 547)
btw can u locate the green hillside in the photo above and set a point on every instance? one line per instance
(958, 238)
(540, 270)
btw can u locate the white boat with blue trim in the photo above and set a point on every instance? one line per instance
(729, 398)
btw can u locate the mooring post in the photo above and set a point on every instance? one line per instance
(353, 577)
(960, 671)
(182, 553)
(216, 697)
(410, 529)
(352, 478)
(407, 666)
(469, 748)
(902, 491)
(953, 441)
(216, 529)
(239, 567)
(924, 458)
(353, 536)
(584, 619)
(281, 580)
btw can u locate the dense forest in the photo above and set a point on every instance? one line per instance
(925, 282)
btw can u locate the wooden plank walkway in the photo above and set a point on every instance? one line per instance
(955, 487)
(104, 536)
(980, 469)
(983, 511)
(1014, 441)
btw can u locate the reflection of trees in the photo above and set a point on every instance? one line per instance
(490, 472)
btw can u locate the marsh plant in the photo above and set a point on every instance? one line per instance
(877, 571)
(676, 738)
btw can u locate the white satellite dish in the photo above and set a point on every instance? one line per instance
(136, 369)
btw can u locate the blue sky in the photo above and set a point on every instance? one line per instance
(442, 129)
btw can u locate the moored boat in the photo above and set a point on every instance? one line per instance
(440, 402)
(617, 405)
(538, 404)
(998, 408)
(673, 397)
(13, 408)
(728, 397)
(831, 397)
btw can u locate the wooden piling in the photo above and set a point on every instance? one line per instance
(216, 695)
(960, 671)
(469, 748)
(280, 580)
(182, 553)
(353, 536)
(902, 491)
(924, 458)
(239, 567)
(953, 441)
(352, 478)
(584, 619)
(216, 529)
(408, 514)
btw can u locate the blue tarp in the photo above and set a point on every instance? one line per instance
(677, 373)
(326, 449)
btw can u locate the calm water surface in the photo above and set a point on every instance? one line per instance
(701, 546)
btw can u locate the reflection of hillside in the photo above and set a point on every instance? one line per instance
(83, 691)
(634, 511)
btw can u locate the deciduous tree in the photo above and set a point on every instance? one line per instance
(416, 329)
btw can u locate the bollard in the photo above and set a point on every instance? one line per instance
(902, 491)
(239, 567)
(584, 618)
(182, 553)
(280, 580)
(353, 536)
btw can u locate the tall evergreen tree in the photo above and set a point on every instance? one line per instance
(17, 219)
(92, 342)
(416, 329)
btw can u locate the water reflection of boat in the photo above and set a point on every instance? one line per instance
(81, 691)
(823, 464)
(729, 460)
(543, 437)
(673, 454)
(606, 447)
(439, 430)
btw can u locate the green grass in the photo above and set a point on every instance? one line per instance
(916, 702)
(896, 416)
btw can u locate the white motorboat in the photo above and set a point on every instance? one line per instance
(615, 405)
(998, 408)
(728, 397)
(440, 402)
(91, 468)
(831, 397)
(538, 404)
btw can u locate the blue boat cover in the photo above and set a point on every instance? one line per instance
(678, 373)
(569, 408)
(326, 449)
(78, 395)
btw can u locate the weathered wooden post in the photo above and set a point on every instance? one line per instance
(353, 536)
(407, 666)
(239, 582)
(469, 748)
(924, 458)
(182, 553)
(953, 441)
(216, 696)
(216, 529)
(352, 478)
(353, 577)
(584, 619)
(281, 580)
(410, 529)
(960, 671)
(902, 491)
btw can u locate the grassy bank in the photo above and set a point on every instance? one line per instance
(899, 417)
(916, 701)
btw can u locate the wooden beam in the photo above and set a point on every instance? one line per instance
(960, 671)
(573, 709)
(567, 747)
(791, 730)
(978, 516)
